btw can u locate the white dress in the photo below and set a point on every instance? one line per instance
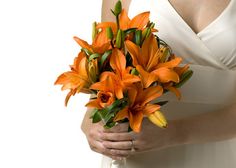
(212, 54)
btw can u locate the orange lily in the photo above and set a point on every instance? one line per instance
(100, 44)
(147, 61)
(121, 76)
(78, 79)
(139, 105)
(106, 93)
(139, 22)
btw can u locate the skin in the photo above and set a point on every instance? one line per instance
(116, 142)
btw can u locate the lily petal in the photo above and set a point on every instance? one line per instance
(170, 64)
(136, 121)
(105, 85)
(104, 25)
(124, 20)
(175, 91)
(149, 48)
(121, 114)
(166, 75)
(72, 92)
(181, 70)
(83, 44)
(118, 61)
(94, 104)
(150, 108)
(147, 78)
(150, 94)
(140, 20)
(133, 50)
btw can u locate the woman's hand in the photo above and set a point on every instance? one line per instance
(117, 142)
(109, 141)
(151, 137)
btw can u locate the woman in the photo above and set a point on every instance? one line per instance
(202, 126)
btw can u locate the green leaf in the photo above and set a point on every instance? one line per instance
(96, 117)
(110, 115)
(109, 125)
(93, 112)
(94, 56)
(86, 51)
(130, 30)
(104, 57)
(184, 78)
(161, 103)
(113, 12)
(152, 25)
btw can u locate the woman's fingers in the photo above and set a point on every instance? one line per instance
(112, 153)
(120, 145)
(121, 127)
(120, 153)
(115, 142)
(127, 136)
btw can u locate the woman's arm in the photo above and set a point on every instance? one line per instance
(203, 128)
(208, 127)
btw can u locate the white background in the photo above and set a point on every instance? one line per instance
(36, 45)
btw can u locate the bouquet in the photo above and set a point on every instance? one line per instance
(125, 68)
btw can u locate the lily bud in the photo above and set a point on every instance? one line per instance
(144, 32)
(93, 70)
(109, 33)
(118, 8)
(158, 119)
(165, 52)
(148, 32)
(152, 25)
(118, 38)
(138, 37)
(94, 30)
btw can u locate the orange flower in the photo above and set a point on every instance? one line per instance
(139, 22)
(78, 79)
(105, 95)
(139, 105)
(169, 86)
(147, 61)
(100, 44)
(121, 77)
(103, 100)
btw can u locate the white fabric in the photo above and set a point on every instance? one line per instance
(212, 55)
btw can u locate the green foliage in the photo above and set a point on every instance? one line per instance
(107, 114)
(184, 78)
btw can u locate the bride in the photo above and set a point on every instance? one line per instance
(202, 125)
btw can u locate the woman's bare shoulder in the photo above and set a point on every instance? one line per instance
(109, 4)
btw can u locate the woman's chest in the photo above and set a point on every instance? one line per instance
(198, 14)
